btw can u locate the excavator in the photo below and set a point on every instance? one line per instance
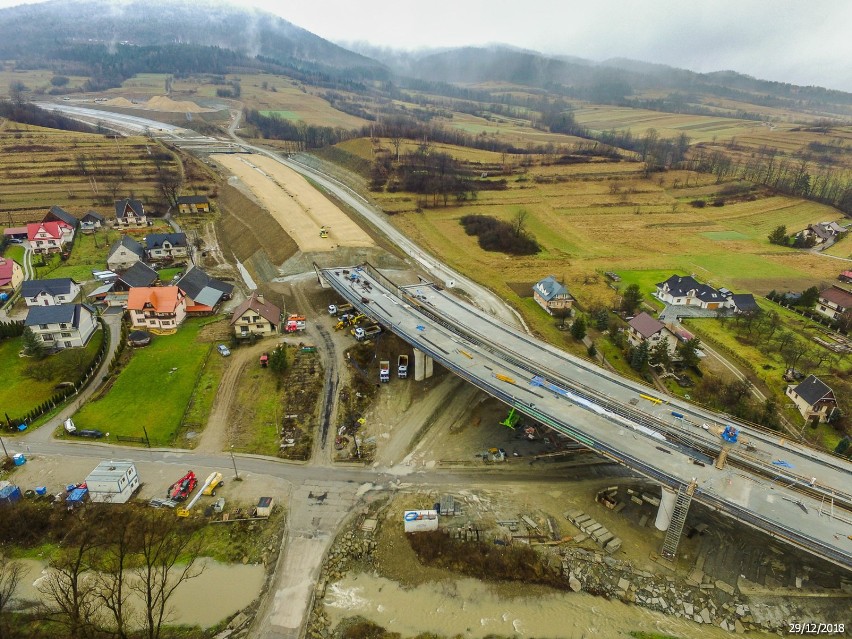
(323, 231)
(348, 320)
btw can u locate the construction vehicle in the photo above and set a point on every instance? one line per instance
(348, 320)
(264, 360)
(402, 366)
(182, 488)
(213, 481)
(336, 309)
(295, 323)
(323, 232)
(366, 333)
(511, 420)
(384, 371)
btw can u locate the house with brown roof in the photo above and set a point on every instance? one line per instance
(644, 328)
(256, 316)
(834, 302)
(813, 398)
(11, 275)
(161, 308)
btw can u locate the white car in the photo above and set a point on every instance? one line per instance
(224, 351)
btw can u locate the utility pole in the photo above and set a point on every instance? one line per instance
(234, 462)
(5, 452)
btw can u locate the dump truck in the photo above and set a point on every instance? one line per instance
(402, 366)
(295, 323)
(384, 371)
(336, 309)
(366, 333)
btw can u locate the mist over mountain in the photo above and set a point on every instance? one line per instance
(39, 31)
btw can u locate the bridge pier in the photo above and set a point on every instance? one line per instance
(423, 365)
(666, 509)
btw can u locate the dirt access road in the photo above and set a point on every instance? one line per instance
(298, 207)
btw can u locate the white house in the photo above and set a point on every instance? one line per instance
(51, 292)
(813, 398)
(166, 246)
(113, 482)
(644, 328)
(686, 291)
(130, 213)
(48, 237)
(162, 307)
(63, 326)
(834, 302)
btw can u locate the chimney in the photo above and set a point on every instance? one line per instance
(259, 298)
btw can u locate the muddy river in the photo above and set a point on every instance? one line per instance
(218, 592)
(471, 609)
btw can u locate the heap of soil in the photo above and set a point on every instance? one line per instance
(165, 103)
(121, 102)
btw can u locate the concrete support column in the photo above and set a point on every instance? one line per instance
(422, 366)
(666, 509)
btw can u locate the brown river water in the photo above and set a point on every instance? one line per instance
(218, 592)
(472, 609)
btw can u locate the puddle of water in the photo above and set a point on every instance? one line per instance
(472, 609)
(220, 591)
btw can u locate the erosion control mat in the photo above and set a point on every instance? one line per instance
(246, 228)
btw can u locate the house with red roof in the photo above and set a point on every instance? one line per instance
(160, 308)
(49, 237)
(11, 275)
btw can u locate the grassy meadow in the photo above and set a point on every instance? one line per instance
(154, 389)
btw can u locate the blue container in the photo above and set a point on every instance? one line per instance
(41, 490)
(19, 459)
(22, 427)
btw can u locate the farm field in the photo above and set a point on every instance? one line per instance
(78, 171)
(154, 389)
(515, 132)
(699, 128)
(19, 393)
(34, 80)
(586, 228)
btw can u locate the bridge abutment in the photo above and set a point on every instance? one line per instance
(666, 509)
(423, 365)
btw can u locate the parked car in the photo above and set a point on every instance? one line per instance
(224, 351)
(15, 240)
(93, 433)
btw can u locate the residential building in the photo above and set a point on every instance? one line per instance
(11, 275)
(91, 222)
(743, 303)
(203, 293)
(256, 316)
(166, 246)
(51, 292)
(644, 328)
(124, 253)
(834, 302)
(130, 213)
(845, 277)
(551, 295)
(160, 308)
(686, 291)
(116, 293)
(15, 233)
(62, 326)
(813, 398)
(58, 214)
(823, 232)
(193, 204)
(48, 237)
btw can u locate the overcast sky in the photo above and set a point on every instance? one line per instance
(799, 41)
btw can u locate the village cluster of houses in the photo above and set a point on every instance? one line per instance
(822, 233)
(60, 317)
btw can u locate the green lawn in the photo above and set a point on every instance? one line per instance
(201, 402)
(19, 394)
(153, 390)
(284, 115)
(725, 235)
(261, 411)
(167, 274)
(15, 252)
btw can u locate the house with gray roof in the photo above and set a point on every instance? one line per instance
(91, 221)
(140, 274)
(551, 295)
(130, 213)
(813, 398)
(124, 253)
(62, 326)
(52, 292)
(203, 293)
(166, 246)
(743, 303)
(58, 214)
(687, 291)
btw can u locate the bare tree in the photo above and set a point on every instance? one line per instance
(69, 588)
(519, 222)
(164, 542)
(114, 564)
(10, 576)
(396, 142)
